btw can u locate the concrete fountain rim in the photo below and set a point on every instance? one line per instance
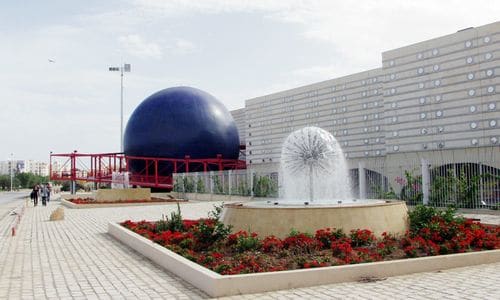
(259, 204)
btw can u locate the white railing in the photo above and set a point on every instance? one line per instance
(464, 185)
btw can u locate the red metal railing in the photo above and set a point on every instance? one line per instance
(154, 171)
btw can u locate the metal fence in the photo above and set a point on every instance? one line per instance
(463, 185)
(230, 182)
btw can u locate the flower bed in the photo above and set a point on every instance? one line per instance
(211, 244)
(89, 200)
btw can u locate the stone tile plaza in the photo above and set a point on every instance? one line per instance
(379, 184)
(76, 259)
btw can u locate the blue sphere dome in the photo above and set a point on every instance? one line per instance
(180, 121)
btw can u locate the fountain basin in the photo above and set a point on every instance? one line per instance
(268, 219)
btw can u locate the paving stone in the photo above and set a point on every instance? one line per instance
(76, 259)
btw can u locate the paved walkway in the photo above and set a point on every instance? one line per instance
(76, 259)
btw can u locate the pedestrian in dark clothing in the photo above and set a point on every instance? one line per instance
(34, 192)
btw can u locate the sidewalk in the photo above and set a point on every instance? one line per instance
(76, 259)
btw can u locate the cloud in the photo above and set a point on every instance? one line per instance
(136, 46)
(183, 46)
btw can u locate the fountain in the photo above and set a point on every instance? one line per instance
(317, 194)
(314, 168)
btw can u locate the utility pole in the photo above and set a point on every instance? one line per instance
(11, 170)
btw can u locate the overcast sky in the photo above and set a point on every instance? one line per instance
(56, 93)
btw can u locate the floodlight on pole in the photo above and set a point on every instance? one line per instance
(121, 69)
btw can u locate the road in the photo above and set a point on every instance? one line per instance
(10, 200)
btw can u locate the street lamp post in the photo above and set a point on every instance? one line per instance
(11, 170)
(121, 69)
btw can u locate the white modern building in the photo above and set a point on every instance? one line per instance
(437, 100)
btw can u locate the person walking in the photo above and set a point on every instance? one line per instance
(34, 194)
(44, 191)
(49, 188)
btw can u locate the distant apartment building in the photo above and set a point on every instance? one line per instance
(24, 166)
(435, 100)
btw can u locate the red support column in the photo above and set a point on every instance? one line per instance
(186, 162)
(156, 172)
(175, 166)
(219, 158)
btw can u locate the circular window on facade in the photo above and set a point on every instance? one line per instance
(423, 131)
(346, 143)
(334, 111)
(364, 105)
(488, 56)
(343, 98)
(377, 140)
(491, 89)
(468, 44)
(365, 141)
(493, 123)
(375, 103)
(377, 128)
(365, 129)
(440, 129)
(435, 68)
(422, 100)
(421, 85)
(344, 109)
(394, 105)
(470, 76)
(473, 125)
(377, 152)
(494, 140)
(487, 39)
(435, 51)
(439, 113)
(363, 94)
(472, 92)
(363, 82)
(489, 72)
(420, 70)
(474, 142)
(395, 133)
(375, 116)
(334, 122)
(344, 121)
(469, 60)
(393, 91)
(394, 119)
(344, 132)
(472, 108)
(366, 153)
(438, 98)
(374, 79)
(393, 76)
(437, 82)
(395, 148)
(391, 63)
(375, 92)
(334, 99)
(492, 106)
(420, 56)
(423, 115)
(365, 117)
